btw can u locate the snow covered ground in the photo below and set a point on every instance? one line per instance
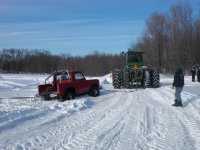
(118, 119)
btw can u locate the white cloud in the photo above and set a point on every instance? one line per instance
(12, 34)
(8, 34)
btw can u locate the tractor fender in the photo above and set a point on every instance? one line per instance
(144, 67)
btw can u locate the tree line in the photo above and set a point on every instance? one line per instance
(172, 39)
(169, 39)
(42, 61)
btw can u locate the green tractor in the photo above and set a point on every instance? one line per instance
(135, 73)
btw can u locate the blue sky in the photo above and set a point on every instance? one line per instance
(77, 27)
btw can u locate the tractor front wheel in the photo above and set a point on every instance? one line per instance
(116, 75)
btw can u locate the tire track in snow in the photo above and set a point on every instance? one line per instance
(188, 99)
(191, 98)
(130, 134)
(47, 116)
(55, 133)
(171, 134)
(191, 124)
(122, 138)
(185, 123)
(159, 128)
(24, 128)
(105, 130)
(21, 117)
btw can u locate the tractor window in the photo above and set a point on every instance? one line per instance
(79, 76)
(135, 58)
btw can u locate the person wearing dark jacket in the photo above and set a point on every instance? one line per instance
(198, 74)
(193, 71)
(178, 84)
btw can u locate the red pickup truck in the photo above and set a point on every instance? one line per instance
(65, 85)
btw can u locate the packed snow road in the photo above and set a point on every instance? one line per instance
(117, 119)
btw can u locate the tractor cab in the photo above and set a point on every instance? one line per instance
(134, 60)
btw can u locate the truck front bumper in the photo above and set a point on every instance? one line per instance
(49, 95)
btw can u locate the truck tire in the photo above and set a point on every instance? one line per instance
(155, 78)
(116, 78)
(68, 95)
(94, 91)
(126, 79)
(46, 97)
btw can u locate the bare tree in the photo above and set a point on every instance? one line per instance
(157, 30)
(172, 39)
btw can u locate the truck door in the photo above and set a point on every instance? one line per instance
(81, 83)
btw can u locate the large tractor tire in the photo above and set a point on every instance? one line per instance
(155, 78)
(126, 79)
(116, 74)
(146, 81)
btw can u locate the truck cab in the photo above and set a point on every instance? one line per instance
(65, 85)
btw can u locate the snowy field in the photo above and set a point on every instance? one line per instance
(135, 119)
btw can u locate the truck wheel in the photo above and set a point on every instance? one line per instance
(94, 91)
(117, 78)
(46, 97)
(125, 82)
(68, 95)
(155, 78)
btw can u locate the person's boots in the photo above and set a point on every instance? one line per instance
(193, 79)
(175, 103)
(180, 104)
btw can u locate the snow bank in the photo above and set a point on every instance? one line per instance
(117, 119)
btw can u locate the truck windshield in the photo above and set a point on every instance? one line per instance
(79, 76)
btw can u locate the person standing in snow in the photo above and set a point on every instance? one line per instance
(178, 85)
(196, 69)
(193, 71)
(198, 74)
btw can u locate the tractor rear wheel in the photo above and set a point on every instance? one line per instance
(146, 81)
(117, 78)
(126, 79)
(155, 78)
